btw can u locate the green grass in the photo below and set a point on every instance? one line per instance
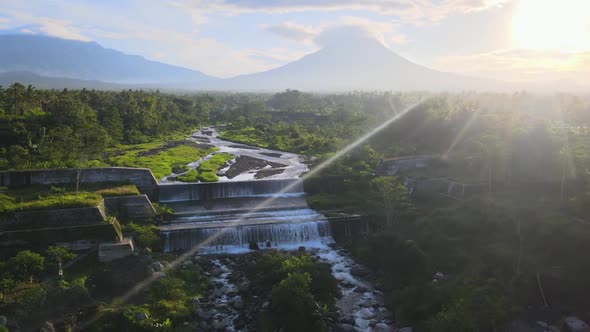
(162, 162)
(248, 135)
(207, 169)
(216, 162)
(40, 197)
(208, 177)
(190, 176)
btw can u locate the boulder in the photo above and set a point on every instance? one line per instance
(216, 272)
(238, 304)
(157, 266)
(141, 316)
(301, 248)
(366, 313)
(203, 314)
(344, 328)
(253, 246)
(187, 262)
(47, 327)
(382, 327)
(159, 275)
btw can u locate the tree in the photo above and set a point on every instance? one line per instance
(27, 265)
(293, 304)
(55, 256)
(395, 199)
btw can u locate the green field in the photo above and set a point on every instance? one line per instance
(42, 197)
(160, 157)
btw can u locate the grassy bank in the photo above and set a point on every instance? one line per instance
(161, 157)
(207, 170)
(41, 197)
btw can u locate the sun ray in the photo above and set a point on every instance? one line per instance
(323, 165)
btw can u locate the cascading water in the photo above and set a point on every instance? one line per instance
(222, 213)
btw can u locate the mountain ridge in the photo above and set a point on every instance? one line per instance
(357, 63)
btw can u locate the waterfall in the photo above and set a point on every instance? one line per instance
(237, 239)
(217, 190)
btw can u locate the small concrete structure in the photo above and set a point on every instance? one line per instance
(130, 207)
(389, 167)
(111, 251)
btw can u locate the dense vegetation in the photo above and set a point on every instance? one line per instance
(302, 292)
(446, 263)
(47, 128)
(463, 263)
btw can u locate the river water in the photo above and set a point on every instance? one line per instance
(232, 215)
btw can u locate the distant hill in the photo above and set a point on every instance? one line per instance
(359, 63)
(44, 82)
(356, 63)
(72, 59)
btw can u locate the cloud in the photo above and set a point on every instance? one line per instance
(344, 28)
(410, 11)
(52, 27)
(292, 31)
(520, 65)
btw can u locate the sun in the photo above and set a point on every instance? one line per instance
(562, 25)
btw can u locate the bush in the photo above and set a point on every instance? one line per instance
(293, 304)
(146, 236)
(190, 176)
(215, 163)
(208, 177)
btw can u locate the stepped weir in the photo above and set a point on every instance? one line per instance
(239, 214)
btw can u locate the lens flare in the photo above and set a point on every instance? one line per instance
(147, 282)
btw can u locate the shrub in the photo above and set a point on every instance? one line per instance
(208, 177)
(190, 176)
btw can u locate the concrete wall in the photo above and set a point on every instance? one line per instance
(141, 177)
(110, 251)
(388, 167)
(38, 238)
(130, 207)
(56, 218)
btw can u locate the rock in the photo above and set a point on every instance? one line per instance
(216, 272)
(238, 304)
(265, 305)
(141, 316)
(347, 320)
(204, 326)
(196, 258)
(47, 327)
(301, 248)
(159, 275)
(382, 327)
(203, 314)
(157, 266)
(244, 286)
(196, 300)
(253, 246)
(366, 313)
(359, 271)
(3, 320)
(344, 328)
(219, 324)
(405, 329)
(268, 244)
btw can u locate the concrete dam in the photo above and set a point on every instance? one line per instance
(233, 215)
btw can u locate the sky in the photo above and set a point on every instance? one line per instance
(512, 40)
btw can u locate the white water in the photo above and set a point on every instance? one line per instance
(294, 163)
(236, 239)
